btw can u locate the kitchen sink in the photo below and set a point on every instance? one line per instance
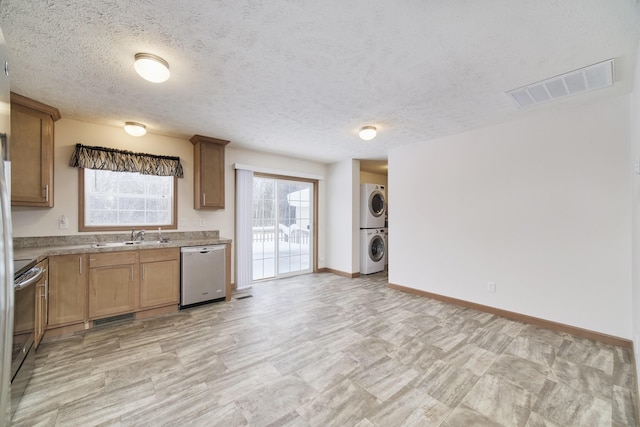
(125, 243)
(107, 244)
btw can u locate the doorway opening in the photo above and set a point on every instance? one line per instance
(283, 226)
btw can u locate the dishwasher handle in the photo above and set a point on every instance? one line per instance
(202, 249)
(29, 278)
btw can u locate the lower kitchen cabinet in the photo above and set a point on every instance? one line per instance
(159, 277)
(67, 290)
(113, 283)
(41, 303)
(86, 287)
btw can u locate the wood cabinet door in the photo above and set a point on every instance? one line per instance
(31, 157)
(160, 283)
(208, 157)
(41, 303)
(212, 176)
(159, 277)
(112, 290)
(67, 289)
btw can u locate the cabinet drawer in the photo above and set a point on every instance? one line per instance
(154, 255)
(112, 258)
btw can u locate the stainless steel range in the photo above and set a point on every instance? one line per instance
(23, 353)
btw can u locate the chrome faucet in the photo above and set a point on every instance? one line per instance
(137, 234)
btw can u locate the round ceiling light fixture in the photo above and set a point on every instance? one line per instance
(368, 133)
(151, 67)
(135, 128)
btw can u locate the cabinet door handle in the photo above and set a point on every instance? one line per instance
(46, 193)
(45, 285)
(132, 273)
(80, 263)
(143, 272)
(204, 198)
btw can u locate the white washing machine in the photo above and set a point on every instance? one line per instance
(373, 248)
(372, 206)
(386, 246)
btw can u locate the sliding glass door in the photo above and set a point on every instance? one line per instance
(282, 227)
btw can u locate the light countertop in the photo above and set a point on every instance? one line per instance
(69, 246)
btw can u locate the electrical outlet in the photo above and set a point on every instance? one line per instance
(202, 222)
(491, 287)
(63, 222)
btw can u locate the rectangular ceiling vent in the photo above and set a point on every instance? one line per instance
(585, 79)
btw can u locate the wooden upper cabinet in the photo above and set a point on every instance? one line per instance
(208, 180)
(31, 151)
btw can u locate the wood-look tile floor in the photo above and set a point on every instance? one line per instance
(323, 350)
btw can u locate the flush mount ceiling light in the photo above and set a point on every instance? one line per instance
(135, 129)
(151, 67)
(368, 133)
(585, 79)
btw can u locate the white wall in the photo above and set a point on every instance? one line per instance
(343, 216)
(29, 222)
(635, 198)
(285, 164)
(372, 178)
(540, 206)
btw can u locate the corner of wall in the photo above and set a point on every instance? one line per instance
(634, 142)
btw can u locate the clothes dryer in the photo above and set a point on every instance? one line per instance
(372, 206)
(372, 250)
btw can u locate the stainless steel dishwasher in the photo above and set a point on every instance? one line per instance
(203, 277)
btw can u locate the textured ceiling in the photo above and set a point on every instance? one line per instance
(300, 77)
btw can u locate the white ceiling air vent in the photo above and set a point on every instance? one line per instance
(593, 77)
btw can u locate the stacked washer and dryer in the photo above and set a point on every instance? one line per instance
(373, 234)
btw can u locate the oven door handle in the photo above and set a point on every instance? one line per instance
(30, 281)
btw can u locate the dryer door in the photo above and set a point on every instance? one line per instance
(376, 203)
(376, 248)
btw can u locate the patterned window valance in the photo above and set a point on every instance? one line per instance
(125, 161)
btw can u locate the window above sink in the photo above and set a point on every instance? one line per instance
(112, 200)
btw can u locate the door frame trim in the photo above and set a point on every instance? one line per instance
(314, 258)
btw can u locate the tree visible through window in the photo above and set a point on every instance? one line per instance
(117, 200)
